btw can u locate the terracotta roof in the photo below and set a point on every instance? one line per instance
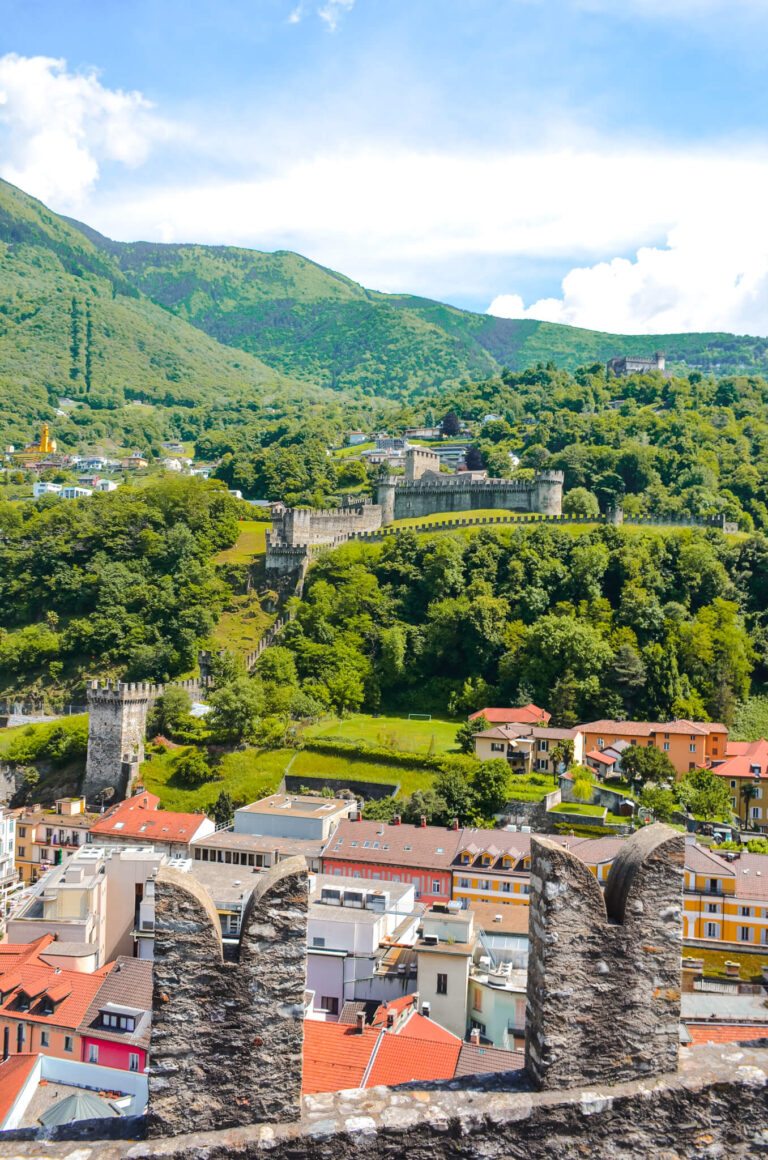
(400, 1059)
(736, 748)
(701, 861)
(14, 954)
(529, 713)
(128, 984)
(335, 1056)
(399, 1006)
(751, 873)
(428, 847)
(474, 1060)
(523, 730)
(740, 764)
(599, 755)
(139, 817)
(14, 1071)
(417, 1026)
(649, 728)
(71, 992)
(726, 1032)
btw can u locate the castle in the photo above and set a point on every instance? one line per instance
(630, 364)
(423, 491)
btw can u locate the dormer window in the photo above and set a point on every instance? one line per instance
(116, 1022)
(465, 859)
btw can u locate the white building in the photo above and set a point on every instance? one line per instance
(293, 816)
(347, 926)
(105, 485)
(42, 487)
(75, 492)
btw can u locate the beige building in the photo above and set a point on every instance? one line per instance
(45, 837)
(444, 953)
(527, 748)
(293, 816)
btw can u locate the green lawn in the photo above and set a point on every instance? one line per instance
(254, 773)
(524, 789)
(390, 732)
(441, 517)
(251, 542)
(352, 452)
(242, 625)
(714, 962)
(580, 808)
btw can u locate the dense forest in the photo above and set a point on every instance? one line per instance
(611, 622)
(122, 583)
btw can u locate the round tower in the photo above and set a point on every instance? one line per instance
(548, 492)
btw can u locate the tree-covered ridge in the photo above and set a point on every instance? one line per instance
(613, 622)
(122, 582)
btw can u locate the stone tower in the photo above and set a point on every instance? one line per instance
(419, 460)
(547, 494)
(117, 719)
(385, 497)
(227, 1036)
(604, 972)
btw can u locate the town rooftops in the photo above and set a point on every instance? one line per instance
(530, 714)
(500, 919)
(14, 1072)
(515, 730)
(139, 817)
(651, 728)
(260, 844)
(35, 992)
(430, 847)
(750, 761)
(298, 806)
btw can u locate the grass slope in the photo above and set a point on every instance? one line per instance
(400, 733)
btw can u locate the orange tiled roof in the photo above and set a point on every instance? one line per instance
(426, 1031)
(13, 1073)
(526, 714)
(23, 973)
(740, 764)
(335, 1056)
(726, 1032)
(139, 817)
(400, 1059)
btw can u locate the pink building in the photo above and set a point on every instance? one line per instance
(418, 855)
(114, 1031)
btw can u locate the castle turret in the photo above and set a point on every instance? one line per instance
(117, 719)
(547, 493)
(385, 497)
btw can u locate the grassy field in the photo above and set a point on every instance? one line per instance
(253, 773)
(714, 962)
(251, 542)
(441, 517)
(525, 789)
(351, 452)
(391, 732)
(579, 808)
(242, 626)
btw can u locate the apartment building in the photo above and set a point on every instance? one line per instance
(527, 747)
(139, 821)
(421, 856)
(114, 1031)
(745, 764)
(44, 837)
(687, 744)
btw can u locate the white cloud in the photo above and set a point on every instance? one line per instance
(332, 11)
(56, 127)
(296, 15)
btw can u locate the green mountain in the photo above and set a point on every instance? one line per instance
(72, 325)
(183, 326)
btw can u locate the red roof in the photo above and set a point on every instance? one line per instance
(598, 755)
(726, 1032)
(23, 971)
(740, 764)
(335, 1056)
(139, 817)
(426, 1031)
(525, 714)
(401, 1059)
(14, 1072)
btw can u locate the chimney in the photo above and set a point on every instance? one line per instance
(360, 1017)
(390, 1019)
(455, 824)
(397, 820)
(474, 1036)
(423, 822)
(415, 1000)
(425, 1009)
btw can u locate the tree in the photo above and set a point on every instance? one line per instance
(223, 809)
(704, 793)
(561, 754)
(451, 425)
(235, 709)
(747, 792)
(580, 502)
(644, 763)
(170, 710)
(490, 784)
(192, 768)
(661, 802)
(452, 786)
(626, 674)
(473, 459)
(465, 738)
(583, 790)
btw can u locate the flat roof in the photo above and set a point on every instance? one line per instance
(259, 844)
(298, 805)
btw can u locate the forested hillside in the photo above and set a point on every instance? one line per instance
(611, 622)
(119, 584)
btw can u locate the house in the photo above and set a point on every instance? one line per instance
(172, 464)
(606, 762)
(72, 492)
(9, 875)
(139, 821)
(42, 1005)
(492, 866)
(293, 816)
(43, 487)
(746, 764)
(525, 714)
(419, 855)
(257, 851)
(105, 485)
(356, 437)
(347, 924)
(498, 975)
(44, 837)
(628, 364)
(39, 1091)
(114, 1031)
(134, 461)
(688, 744)
(96, 903)
(526, 747)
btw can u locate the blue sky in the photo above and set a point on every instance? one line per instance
(600, 162)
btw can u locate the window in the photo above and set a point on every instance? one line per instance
(22, 831)
(692, 748)
(755, 812)
(497, 747)
(526, 889)
(713, 886)
(45, 1038)
(711, 930)
(93, 1053)
(733, 784)
(22, 852)
(485, 884)
(318, 942)
(544, 746)
(506, 887)
(465, 859)
(666, 737)
(758, 793)
(442, 984)
(745, 911)
(542, 763)
(666, 747)
(600, 743)
(464, 883)
(330, 1004)
(713, 907)
(68, 1045)
(745, 934)
(133, 1061)
(435, 886)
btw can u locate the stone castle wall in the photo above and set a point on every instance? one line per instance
(434, 494)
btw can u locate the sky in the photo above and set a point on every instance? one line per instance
(602, 163)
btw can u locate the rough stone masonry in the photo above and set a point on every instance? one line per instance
(604, 972)
(227, 1037)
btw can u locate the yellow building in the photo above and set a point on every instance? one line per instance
(45, 836)
(34, 451)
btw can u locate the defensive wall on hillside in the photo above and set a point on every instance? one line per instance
(603, 1080)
